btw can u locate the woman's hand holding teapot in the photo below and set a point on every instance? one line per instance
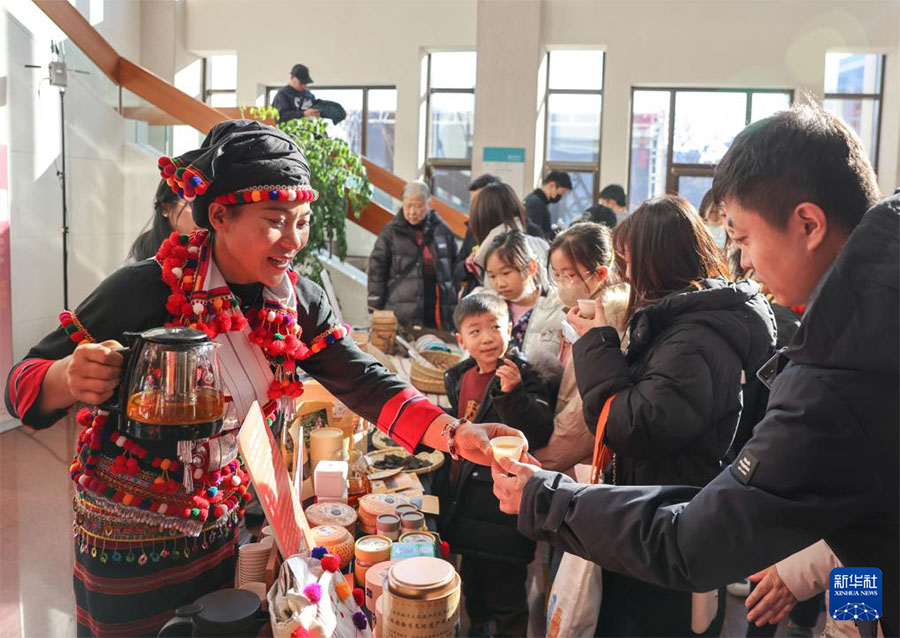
(93, 371)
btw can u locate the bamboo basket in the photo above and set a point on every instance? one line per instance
(431, 380)
(384, 330)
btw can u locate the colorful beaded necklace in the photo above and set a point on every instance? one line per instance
(184, 260)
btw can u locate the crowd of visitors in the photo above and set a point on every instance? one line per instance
(728, 376)
(715, 363)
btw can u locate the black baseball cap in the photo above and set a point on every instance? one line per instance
(301, 72)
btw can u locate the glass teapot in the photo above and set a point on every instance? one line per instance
(171, 387)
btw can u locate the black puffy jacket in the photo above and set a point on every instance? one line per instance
(678, 385)
(471, 519)
(397, 277)
(822, 463)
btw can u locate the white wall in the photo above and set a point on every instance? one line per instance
(344, 42)
(714, 43)
(103, 207)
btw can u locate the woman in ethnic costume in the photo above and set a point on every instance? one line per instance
(155, 522)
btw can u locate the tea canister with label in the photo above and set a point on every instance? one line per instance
(421, 599)
(370, 550)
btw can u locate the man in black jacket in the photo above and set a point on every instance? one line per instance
(294, 100)
(823, 462)
(537, 204)
(610, 208)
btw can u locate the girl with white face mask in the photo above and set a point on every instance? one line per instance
(580, 260)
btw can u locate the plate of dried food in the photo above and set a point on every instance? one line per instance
(396, 458)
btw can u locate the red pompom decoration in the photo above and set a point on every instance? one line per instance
(359, 596)
(331, 563)
(84, 417)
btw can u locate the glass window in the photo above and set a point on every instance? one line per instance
(705, 125)
(221, 80)
(222, 71)
(453, 70)
(862, 116)
(452, 123)
(702, 128)
(694, 187)
(382, 115)
(377, 107)
(576, 70)
(223, 99)
(858, 73)
(574, 127)
(853, 92)
(765, 104)
(450, 120)
(452, 185)
(649, 145)
(574, 109)
(350, 129)
(573, 205)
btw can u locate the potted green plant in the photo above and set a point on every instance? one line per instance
(340, 177)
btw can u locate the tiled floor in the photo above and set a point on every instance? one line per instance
(36, 557)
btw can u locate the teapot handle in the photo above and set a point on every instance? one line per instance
(116, 401)
(178, 627)
(181, 625)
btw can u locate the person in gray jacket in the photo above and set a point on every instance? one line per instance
(823, 461)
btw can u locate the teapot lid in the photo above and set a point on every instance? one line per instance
(175, 336)
(226, 611)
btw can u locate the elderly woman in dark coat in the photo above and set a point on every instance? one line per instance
(411, 266)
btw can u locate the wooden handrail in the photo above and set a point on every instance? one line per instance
(171, 106)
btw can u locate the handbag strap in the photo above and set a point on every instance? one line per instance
(602, 453)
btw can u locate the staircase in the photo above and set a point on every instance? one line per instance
(171, 106)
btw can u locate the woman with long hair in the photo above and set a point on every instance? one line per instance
(674, 394)
(170, 214)
(496, 210)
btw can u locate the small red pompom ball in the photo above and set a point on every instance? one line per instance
(223, 322)
(238, 322)
(77, 337)
(84, 417)
(276, 348)
(359, 596)
(331, 563)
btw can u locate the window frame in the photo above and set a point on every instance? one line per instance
(449, 163)
(875, 97)
(675, 170)
(364, 121)
(574, 167)
(206, 91)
